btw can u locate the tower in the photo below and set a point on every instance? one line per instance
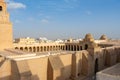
(5, 27)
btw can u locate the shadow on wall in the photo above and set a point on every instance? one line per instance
(73, 71)
(5, 78)
(57, 70)
(65, 73)
(34, 77)
(22, 74)
(1, 63)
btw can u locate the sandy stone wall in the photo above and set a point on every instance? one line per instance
(71, 65)
(67, 63)
(38, 68)
(5, 28)
(76, 64)
(5, 39)
(5, 70)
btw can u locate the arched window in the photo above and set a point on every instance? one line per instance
(78, 48)
(38, 49)
(21, 48)
(72, 48)
(26, 49)
(0, 8)
(86, 46)
(16, 48)
(30, 49)
(34, 49)
(66, 47)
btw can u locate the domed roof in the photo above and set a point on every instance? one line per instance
(89, 37)
(103, 37)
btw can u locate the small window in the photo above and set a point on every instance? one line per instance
(86, 46)
(0, 8)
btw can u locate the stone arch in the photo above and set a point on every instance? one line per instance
(59, 48)
(86, 46)
(1, 8)
(34, 49)
(38, 49)
(75, 48)
(63, 47)
(71, 47)
(21, 48)
(51, 48)
(66, 47)
(44, 48)
(41, 48)
(30, 49)
(26, 48)
(48, 48)
(16, 48)
(78, 48)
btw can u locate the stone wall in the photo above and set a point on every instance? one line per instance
(5, 28)
(38, 68)
(5, 70)
(71, 65)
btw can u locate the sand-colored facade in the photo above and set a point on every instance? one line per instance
(69, 61)
(5, 27)
(69, 65)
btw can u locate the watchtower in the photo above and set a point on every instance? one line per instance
(5, 27)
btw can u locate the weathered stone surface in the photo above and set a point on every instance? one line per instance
(5, 28)
(112, 73)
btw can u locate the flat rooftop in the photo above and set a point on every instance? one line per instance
(115, 70)
(18, 55)
(112, 73)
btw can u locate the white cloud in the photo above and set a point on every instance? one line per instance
(15, 5)
(44, 21)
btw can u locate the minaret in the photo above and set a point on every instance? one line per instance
(1, 0)
(5, 28)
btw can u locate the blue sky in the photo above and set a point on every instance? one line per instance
(65, 18)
